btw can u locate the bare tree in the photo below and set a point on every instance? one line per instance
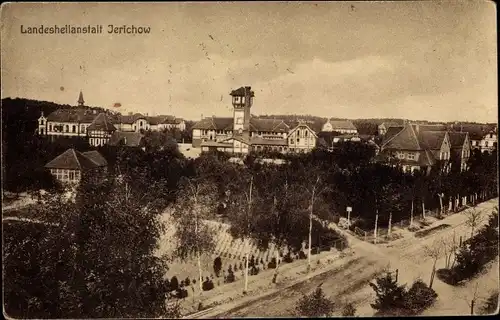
(434, 251)
(450, 247)
(194, 236)
(471, 299)
(473, 218)
(314, 191)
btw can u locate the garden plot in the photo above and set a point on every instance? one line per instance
(231, 251)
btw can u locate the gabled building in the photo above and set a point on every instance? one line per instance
(72, 166)
(127, 139)
(482, 137)
(75, 122)
(340, 126)
(243, 133)
(414, 149)
(100, 130)
(460, 149)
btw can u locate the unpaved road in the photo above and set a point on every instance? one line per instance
(349, 283)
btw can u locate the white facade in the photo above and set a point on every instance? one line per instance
(301, 139)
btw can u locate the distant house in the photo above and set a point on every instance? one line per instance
(127, 139)
(460, 149)
(72, 166)
(100, 130)
(384, 126)
(137, 122)
(482, 137)
(341, 126)
(413, 148)
(76, 121)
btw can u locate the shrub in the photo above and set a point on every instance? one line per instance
(314, 305)
(448, 276)
(272, 264)
(241, 265)
(230, 277)
(254, 271)
(187, 281)
(389, 295)
(491, 304)
(217, 265)
(419, 297)
(251, 262)
(229, 269)
(207, 285)
(174, 283)
(302, 255)
(349, 310)
(181, 293)
(235, 267)
(288, 258)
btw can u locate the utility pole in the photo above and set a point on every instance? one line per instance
(375, 231)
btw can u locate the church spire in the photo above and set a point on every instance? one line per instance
(80, 100)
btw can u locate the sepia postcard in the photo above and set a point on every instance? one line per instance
(249, 159)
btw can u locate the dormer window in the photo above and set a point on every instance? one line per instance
(240, 131)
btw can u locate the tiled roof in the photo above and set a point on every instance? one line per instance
(213, 123)
(457, 139)
(342, 125)
(302, 124)
(405, 139)
(431, 127)
(476, 131)
(241, 91)
(432, 139)
(389, 124)
(268, 125)
(392, 131)
(96, 157)
(130, 139)
(71, 159)
(81, 115)
(102, 123)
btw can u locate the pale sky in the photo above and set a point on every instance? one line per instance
(417, 60)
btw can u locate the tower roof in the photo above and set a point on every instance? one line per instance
(80, 99)
(240, 92)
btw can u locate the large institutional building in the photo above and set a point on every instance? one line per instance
(100, 128)
(243, 133)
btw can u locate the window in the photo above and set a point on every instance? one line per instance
(140, 123)
(292, 141)
(305, 133)
(42, 131)
(67, 128)
(50, 127)
(74, 128)
(71, 175)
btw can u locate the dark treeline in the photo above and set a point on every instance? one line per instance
(353, 179)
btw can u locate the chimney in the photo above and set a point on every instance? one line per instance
(130, 113)
(202, 116)
(42, 114)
